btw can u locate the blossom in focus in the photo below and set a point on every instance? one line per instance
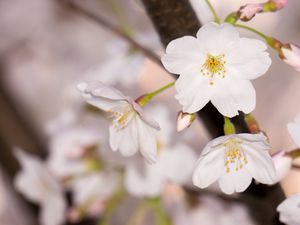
(282, 163)
(234, 160)
(174, 165)
(216, 66)
(289, 210)
(91, 192)
(36, 183)
(248, 11)
(290, 54)
(131, 130)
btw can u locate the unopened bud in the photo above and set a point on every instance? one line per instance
(184, 120)
(274, 5)
(290, 54)
(252, 124)
(247, 12)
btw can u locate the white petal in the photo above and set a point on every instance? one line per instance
(233, 96)
(182, 55)
(34, 180)
(53, 211)
(260, 163)
(211, 161)
(147, 140)
(294, 130)
(193, 92)
(143, 180)
(102, 96)
(177, 163)
(125, 140)
(217, 39)
(289, 210)
(282, 164)
(248, 60)
(235, 181)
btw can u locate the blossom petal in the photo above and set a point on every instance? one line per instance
(260, 163)
(233, 96)
(217, 39)
(235, 181)
(248, 60)
(183, 55)
(147, 140)
(125, 140)
(53, 211)
(294, 130)
(102, 96)
(209, 168)
(193, 92)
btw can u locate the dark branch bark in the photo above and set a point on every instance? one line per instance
(173, 19)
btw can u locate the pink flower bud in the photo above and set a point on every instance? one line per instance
(279, 4)
(282, 163)
(291, 55)
(184, 120)
(247, 12)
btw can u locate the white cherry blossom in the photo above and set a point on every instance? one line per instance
(36, 183)
(233, 160)
(216, 66)
(92, 191)
(294, 130)
(131, 130)
(174, 165)
(289, 210)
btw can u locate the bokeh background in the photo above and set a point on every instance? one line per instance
(47, 48)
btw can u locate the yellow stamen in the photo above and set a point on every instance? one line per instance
(214, 64)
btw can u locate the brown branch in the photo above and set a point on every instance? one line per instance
(118, 32)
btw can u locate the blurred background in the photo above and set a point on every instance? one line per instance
(46, 48)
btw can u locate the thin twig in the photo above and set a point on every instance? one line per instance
(297, 167)
(99, 20)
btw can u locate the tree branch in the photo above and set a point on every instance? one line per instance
(118, 32)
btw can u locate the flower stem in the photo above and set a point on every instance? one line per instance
(217, 18)
(126, 27)
(229, 127)
(162, 218)
(268, 39)
(146, 98)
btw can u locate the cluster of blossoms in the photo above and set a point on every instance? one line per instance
(216, 66)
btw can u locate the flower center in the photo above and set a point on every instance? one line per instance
(122, 116)
(235, 158)
(214, 64)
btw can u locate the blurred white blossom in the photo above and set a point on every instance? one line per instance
(233, 160)
(290, 54)
(216, 66)
(294, 130)
(37, 184)
(174, 165)
(289, 210)
(282, 163)
(92, 191)
(131, 130)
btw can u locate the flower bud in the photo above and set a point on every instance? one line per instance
(247, 12)
(290, 54)
(282, 163)
(274, 5)
(184, 120)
